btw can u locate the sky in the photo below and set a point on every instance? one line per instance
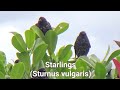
(102, 27)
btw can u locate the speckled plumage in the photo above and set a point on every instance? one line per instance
(44, 25)
(82, 45)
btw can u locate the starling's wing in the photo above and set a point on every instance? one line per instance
(82, 46)
(44, 25)
(48, 26)
(77, 45)
(87, 42)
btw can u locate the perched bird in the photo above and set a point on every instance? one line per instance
(82, 45)
(43, 25)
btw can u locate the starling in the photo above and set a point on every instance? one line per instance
(43, 25)
(82, 45)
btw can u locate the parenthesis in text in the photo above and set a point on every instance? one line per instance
(31, 72)
(90, 74)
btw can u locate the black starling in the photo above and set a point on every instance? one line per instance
(44, 25)
(82, 45)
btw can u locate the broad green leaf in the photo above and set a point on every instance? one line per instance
(2, 68)
(51, 40)
(38, 31)
(2, 57)
(17, 71)
(94, 58)
(88, 61)
(18, 42)
(25, 58)
(54, 57)
(113, 55)
(39, 53)
(60, 50)
(80, 63)
(100, 71)
(38, 42)
(107, 53)
(80, 69)
(2, 76)
(62, 27)
(8, 68)
(68, 56)
(41, 64)
(118, 58)
(113, 73)
(30, 38)
(46, 58)
(66, 53)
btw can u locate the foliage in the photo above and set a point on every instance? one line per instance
(37, 49)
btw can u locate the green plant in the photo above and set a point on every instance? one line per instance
(37, 49)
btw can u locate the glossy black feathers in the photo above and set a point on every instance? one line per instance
(43, 25)
(82, 45)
